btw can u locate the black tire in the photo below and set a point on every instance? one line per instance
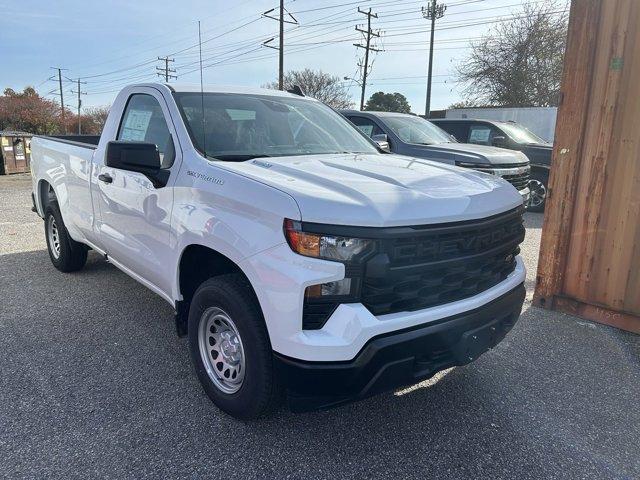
(260, 392)
(70, 255)
(539, 181)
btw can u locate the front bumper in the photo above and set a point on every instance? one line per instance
(402, 357)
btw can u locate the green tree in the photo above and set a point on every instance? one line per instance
(519, 63)
(388, 102)
(327, 88)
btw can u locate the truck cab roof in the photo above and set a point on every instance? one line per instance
(191, 88)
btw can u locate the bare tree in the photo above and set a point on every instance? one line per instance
(94, 119)
(520, 62)
(319, 85)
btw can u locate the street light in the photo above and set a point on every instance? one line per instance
(354, 80)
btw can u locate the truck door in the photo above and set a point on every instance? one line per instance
(134, 225)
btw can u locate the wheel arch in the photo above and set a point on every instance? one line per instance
(46, 194)
(196, 264)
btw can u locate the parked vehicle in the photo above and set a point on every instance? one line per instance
(514, 137)
(297, 255)
(414, 136)
(539, 120)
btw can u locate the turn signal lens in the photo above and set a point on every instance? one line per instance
(300, 242)
(329, 247)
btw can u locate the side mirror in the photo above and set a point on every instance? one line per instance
(141, 157)
(382, 140)
(498, 141)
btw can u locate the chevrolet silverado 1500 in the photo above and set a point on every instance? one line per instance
(300, 259)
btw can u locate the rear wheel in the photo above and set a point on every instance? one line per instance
(538, 188)
(66, 254)
(230, 348)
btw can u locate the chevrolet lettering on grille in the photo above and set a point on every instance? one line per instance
(473, 243)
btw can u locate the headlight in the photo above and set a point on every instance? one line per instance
(328, 247)
(322, 299)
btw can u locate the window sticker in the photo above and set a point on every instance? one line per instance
(479, 135)
(136, 125)
(5, 141)
(238, 115)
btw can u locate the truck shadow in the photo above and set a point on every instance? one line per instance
(92, 359)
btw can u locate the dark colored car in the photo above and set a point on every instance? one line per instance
(414, 136)
(514, 137)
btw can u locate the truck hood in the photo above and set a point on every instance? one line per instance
(472, 153)
(381, 190)
(538, 153)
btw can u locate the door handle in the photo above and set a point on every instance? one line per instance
(105, 177)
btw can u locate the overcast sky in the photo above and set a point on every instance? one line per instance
(112, 43)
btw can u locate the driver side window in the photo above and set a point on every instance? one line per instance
(368, 127)
(143, 121)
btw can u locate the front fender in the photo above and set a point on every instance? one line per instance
(235, 216)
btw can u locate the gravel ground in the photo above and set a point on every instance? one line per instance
(94, 383)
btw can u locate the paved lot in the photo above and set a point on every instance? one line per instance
(94, 383)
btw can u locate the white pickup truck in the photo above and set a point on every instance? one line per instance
(300, 259)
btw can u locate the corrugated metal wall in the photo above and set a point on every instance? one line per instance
(590, 255)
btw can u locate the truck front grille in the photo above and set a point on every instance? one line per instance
(419, 267)
(520, 181)
(516, 174)
(442, 264)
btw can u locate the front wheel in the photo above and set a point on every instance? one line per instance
(538, 188)
(230, 348)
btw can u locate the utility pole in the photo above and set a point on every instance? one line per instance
(79, 92)
(280, 47)
(432, 12)
(365, 66)
(166, 71)
(281, 50)
(64, 126)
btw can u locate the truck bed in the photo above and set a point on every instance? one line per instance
(89, 141)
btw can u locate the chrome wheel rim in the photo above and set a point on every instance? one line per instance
(221, 350)
(538, 193)
(54, 237)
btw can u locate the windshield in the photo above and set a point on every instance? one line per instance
(520, 134)
(239, 127)
(416, 130)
